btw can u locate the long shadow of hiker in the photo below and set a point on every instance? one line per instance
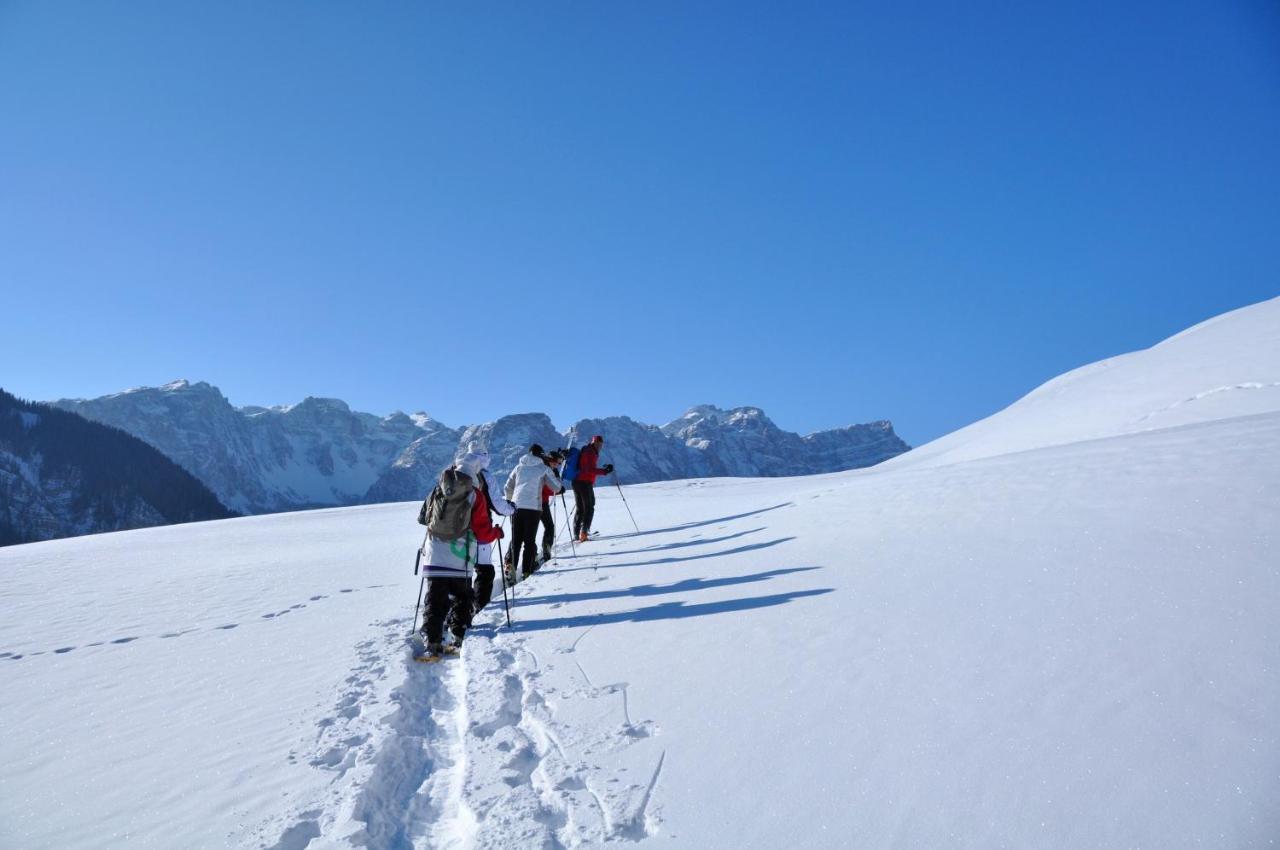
(658, 589)
(697, 524)
(749, 548)
(670, 611)
(697, 541)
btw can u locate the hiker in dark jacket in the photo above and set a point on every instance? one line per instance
(584, 487)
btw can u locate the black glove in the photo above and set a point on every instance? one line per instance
(608, 469)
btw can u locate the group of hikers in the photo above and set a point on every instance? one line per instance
(462, 534)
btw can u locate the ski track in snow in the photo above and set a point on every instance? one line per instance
(1233, 388)
(496, 749)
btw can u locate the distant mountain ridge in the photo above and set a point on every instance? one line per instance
(62, 475)
(319, 452)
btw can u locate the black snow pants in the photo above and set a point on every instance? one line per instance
(548, 528)
(524, 539)
(447, 596)
(584, 511)
(483, 590)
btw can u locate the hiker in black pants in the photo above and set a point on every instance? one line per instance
(487, 534)
(448, 558)
(553, 459)
(584, 486)
(524, 488)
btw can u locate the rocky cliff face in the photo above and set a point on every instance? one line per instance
(320, 452)
(261, 459)
(744, 442)
(415, 470)
(62, 475)
(639, 452)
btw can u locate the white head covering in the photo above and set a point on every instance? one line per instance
(474, 460)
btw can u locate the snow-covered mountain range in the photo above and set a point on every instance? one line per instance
(62, 475)
(319, 452)
(1053, 629)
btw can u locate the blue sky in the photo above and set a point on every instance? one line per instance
(837, 212)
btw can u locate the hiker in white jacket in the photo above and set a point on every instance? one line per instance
(524, 488)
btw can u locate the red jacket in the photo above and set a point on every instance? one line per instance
(481, 523)
(588, 464)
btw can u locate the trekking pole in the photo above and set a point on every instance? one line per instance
(624, 500)
(503, 567)
(567, 525)
(413, 631)
(417, 562)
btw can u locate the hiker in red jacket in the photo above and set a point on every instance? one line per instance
(584, 486)
(552, 459)
(488, 496)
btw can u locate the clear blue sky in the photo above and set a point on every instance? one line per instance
(838, 212)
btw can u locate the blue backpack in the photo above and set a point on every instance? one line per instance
(570, 466)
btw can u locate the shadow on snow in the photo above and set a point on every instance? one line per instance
(697, 524)
(697, 541)
(669, 611)
(659, 561)
(659, 589)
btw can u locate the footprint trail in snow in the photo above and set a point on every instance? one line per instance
(499, 748)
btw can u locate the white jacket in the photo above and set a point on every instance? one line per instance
(524, 484)
(499, 502)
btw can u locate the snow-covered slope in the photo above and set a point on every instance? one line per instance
(1066, 646)
(1226, 366)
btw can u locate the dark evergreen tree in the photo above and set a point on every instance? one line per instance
(61, 474)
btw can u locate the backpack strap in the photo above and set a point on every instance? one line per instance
(484, 490)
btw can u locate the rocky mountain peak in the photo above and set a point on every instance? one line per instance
(320, 452)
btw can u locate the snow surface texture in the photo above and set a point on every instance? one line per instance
(1068, 646)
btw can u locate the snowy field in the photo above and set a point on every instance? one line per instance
(1059, 631)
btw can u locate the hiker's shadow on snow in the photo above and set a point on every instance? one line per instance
(659, 589)
(697, 524)
(670, 611)
(659, 561)
(697, 541)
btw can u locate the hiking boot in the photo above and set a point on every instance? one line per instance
(583, 537)
(546, 555)
(436, 648)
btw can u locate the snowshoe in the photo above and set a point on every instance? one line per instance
(431, 653)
